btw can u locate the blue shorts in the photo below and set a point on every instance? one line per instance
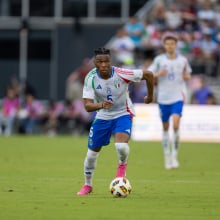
(167, 110)
(101, 130)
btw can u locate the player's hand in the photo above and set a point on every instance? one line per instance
(163, 72)
(106, 104)
(148, 99)
(186, 76)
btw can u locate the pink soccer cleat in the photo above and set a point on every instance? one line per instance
(85, 190)
(121, 171)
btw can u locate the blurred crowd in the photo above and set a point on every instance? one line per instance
(197, 23)
(22, 113)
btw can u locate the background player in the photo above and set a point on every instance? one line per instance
(106, 91)
(171, 71)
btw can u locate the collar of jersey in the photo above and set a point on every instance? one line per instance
(112, 72)
(171, 59)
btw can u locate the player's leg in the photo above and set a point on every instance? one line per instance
(166, 146)
(123, 152)
(165, 115)
(122, 131)
(89, 167)
(176, 116)
(175, 141)
(165, 138)
(99, 136)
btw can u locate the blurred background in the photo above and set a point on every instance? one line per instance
(59, 35)
(46, 49)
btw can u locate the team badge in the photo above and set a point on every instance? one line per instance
(90, 142)
(117, 83)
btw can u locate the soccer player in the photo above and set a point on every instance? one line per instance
(106, 91)
(171, 70)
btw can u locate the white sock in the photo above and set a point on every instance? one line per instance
(175, 143)
(123, 151)
(165, 143)
(89, 166)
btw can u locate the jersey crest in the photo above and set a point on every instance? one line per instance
(117, 83)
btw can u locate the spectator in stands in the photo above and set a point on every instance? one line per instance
(151, 40)
(195, 45)
(184, 44)
(135, 30)
(158, 15)
(75, 118)
(53, 117)
(217, 16)
(122, 48)
(84, 118)
(203, 95)
(9, 111)
(189, 19)
(209, 49)
(31, 114)
(211, 99)
(21, 88)
(217, 71)
(74, 83)
(206, 11)
(173, 18)
(69, 116)
(15, 84)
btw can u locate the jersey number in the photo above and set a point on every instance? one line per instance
(171, 76)
(109, 97)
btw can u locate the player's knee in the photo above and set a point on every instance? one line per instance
(176, 127)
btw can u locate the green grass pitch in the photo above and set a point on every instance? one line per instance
(39, 178)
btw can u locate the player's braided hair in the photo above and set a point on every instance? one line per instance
(101, 51)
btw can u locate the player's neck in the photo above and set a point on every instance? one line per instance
(172, 56)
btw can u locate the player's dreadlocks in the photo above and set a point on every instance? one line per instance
(101, 51)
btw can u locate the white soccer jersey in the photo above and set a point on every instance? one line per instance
(171, 86)
(115, 89)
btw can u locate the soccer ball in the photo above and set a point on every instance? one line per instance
(120, 187)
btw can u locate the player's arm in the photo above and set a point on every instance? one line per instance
(187, 71)
(149, 78)
(89, 96)
(90, 106)
(186, 76)
(162, 72)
